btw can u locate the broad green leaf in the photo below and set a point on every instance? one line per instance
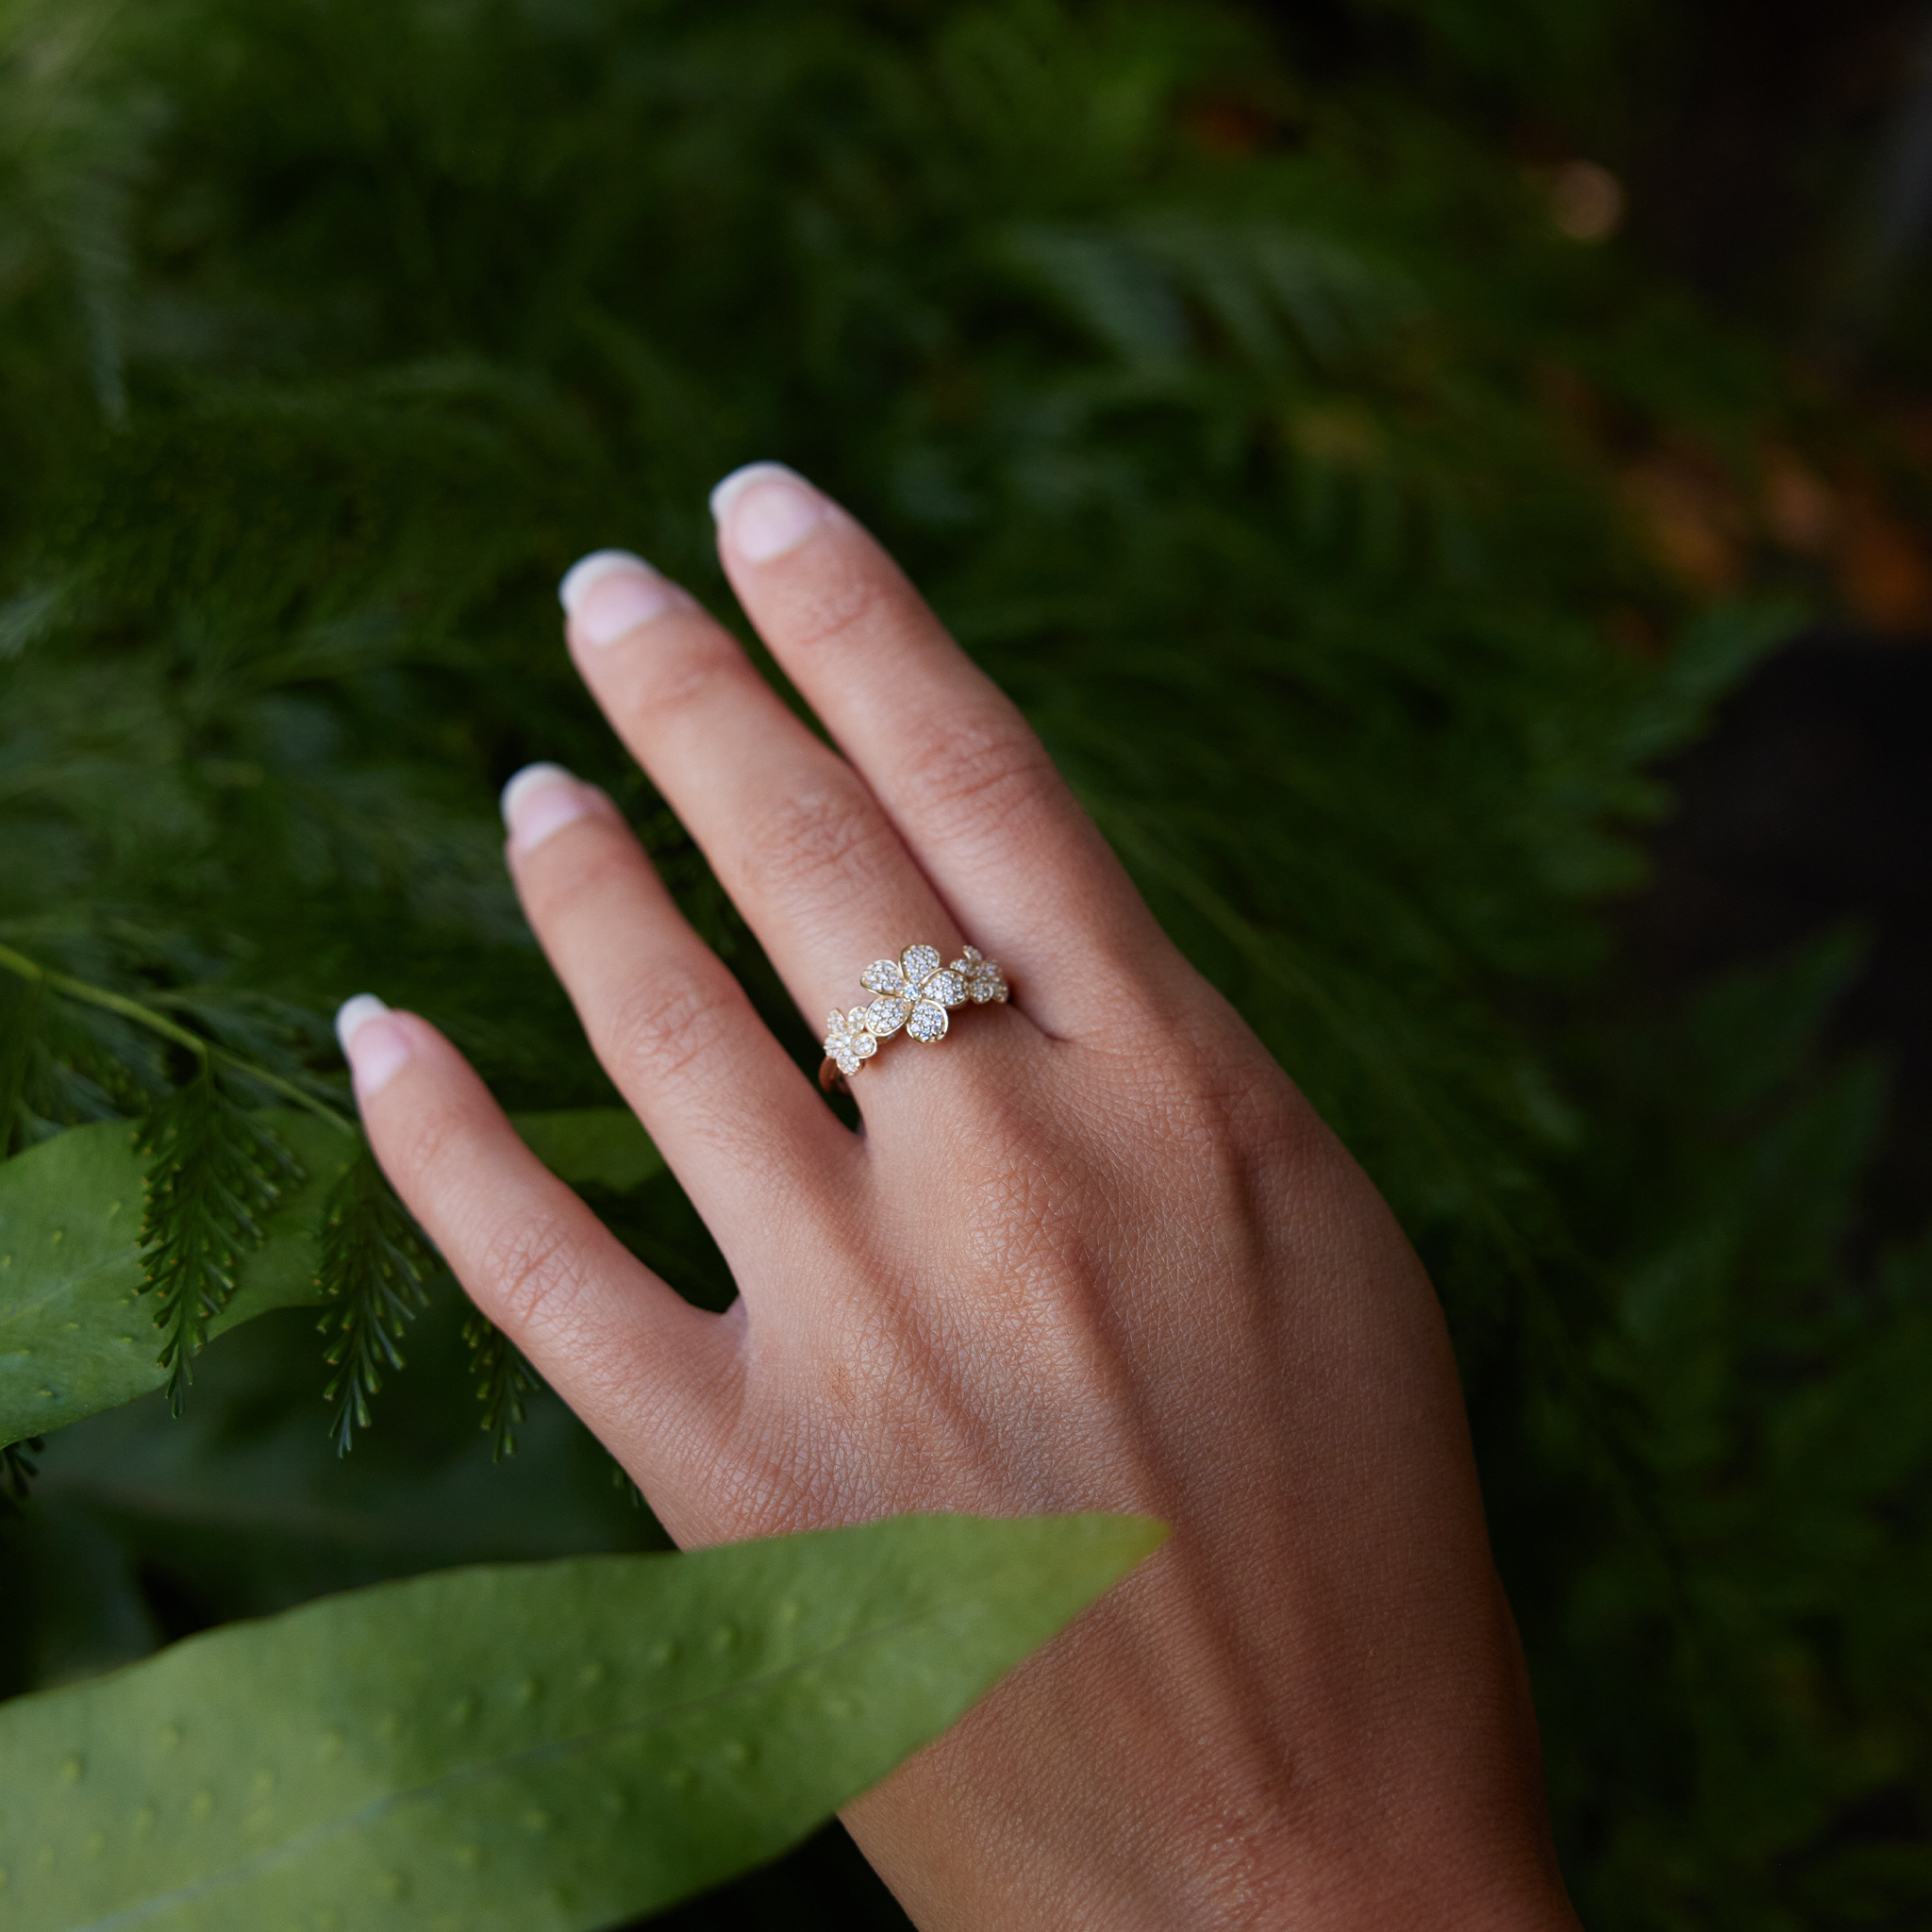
(601, 1144)
(543, 1748)
(75, 1336)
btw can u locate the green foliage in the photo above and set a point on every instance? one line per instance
(537, 1749)
(73, 1339)
(593, 1146)
(503, 1380)
(75, 1335)
(1776, 1390)
(214, 1172)
(1528, 52)
(373, 1264)
(144, 1527)
(1275, 475)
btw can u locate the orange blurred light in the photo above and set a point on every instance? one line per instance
(1585, 201)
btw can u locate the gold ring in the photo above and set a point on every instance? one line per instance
(913, 993)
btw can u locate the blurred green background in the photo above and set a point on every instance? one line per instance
(1450, 481)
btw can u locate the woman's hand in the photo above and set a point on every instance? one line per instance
(1092, 1252)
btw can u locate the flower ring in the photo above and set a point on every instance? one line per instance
(913, 991)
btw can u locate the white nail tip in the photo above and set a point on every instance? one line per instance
(353, 1014)
(531, 778)
(589, 570)
(734, 486)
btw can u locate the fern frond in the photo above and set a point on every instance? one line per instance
(375, 1266)
(214, 1170)
(503, 1379)
(112, 1053)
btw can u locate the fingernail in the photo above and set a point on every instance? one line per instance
(372, 1044)
(608, 593)
(765, 510)
(539, 800)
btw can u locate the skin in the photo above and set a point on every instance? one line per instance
(1094, 1251)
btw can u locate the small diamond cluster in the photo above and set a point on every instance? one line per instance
(914, 991)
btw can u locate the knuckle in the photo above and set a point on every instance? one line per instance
(846, 605)
(522, 1267)
(972, 775)
(424, 1151)
(667, 1028)
(532, 1271)
(581, 868)
(686, 669)
(998, 1160)
(815, 837)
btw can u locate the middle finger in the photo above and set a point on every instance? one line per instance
(790, 829)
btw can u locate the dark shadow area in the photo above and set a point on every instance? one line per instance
(1777, 138)
(825, 1886)
(1809, 807)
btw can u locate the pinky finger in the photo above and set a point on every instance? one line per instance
(639, 1364)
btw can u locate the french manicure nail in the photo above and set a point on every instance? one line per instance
(372, 1042)
(609, 593)
(539, 800)
(766, 510)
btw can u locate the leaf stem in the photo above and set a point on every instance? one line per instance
(204, 1050)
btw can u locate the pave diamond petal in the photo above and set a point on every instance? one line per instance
(849, 1041)
(886, 1015)
(920, 962)
(883, 976)
(984, 979)
(945, 988)
(928, 1022)
(989, 983)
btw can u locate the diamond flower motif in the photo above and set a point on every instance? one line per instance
(982, 979)
(914, 991)
(848, 1040)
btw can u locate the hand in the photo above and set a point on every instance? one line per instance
(1092, 1252)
